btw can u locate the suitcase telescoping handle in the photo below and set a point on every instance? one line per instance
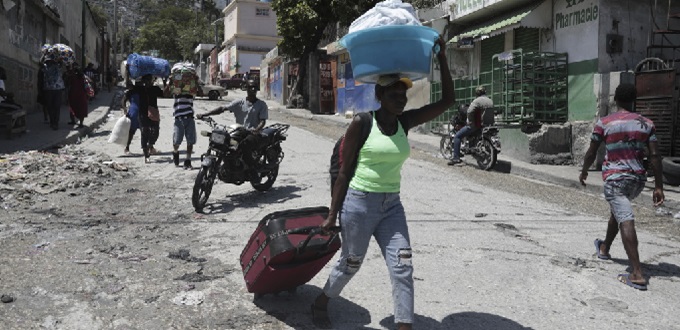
(314, 230)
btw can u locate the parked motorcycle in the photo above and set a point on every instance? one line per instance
(484, 145)
(224, 159)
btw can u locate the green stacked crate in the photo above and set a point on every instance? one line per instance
(530, 87)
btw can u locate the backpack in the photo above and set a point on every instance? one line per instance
(336, 156)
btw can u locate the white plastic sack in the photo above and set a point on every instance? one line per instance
(182, 67)
(121, 131)
(388, 12)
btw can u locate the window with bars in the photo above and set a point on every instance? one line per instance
(261, 11)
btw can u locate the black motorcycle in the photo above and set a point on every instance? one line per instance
(224, 159)
(484, 145)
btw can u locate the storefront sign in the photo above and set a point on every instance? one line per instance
(576, 12)
(467, 42)
(464, 7)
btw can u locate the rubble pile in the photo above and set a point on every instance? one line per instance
(24, 175)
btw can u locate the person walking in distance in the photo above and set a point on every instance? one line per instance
(53, 87)
(627, 135)
(77, 96)
(474, 121)
(109, 79)
(252, 113)
(366, 198)
(132, 111)
(184, 126)
(147, 95)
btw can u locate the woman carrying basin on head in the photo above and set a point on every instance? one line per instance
(367, 200)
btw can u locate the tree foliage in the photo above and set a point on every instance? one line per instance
(301, 23)
(175, 27)
(98, 15)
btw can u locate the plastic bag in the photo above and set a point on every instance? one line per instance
(140, 65)
(88, 87)
(388, 12)
(120, 131)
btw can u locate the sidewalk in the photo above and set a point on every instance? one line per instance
(39, 135)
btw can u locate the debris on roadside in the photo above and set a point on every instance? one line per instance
(137, 258)
(184, 254)
(189, 298)
(25, 175)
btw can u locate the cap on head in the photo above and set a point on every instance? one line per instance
(391, 79)
(480, 90)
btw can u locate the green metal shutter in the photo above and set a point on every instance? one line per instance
(490, 47)
(527, 39)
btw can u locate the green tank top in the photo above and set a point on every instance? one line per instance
(380, 160)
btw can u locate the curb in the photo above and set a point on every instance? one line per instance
(89, 128)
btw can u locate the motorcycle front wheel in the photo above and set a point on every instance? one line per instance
(446, 147)
(203, 186)
(487, 156)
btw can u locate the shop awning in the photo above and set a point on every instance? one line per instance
(533, 17)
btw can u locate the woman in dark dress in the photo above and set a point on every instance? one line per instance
(77, 96)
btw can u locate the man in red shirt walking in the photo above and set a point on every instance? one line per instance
(627, 136)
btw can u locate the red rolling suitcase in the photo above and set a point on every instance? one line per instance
(287, 250)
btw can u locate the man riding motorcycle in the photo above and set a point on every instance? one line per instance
(474, 121)
(252, 113)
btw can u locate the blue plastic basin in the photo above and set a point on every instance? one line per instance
(403, 49)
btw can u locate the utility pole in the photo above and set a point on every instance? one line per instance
(115, 34)
(82, 39)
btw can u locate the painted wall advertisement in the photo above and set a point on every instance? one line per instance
(576, 28)
(326, 87)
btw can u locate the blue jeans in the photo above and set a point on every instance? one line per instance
(382, 216)
(465, 131)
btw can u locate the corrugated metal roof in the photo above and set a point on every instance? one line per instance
(494, 28)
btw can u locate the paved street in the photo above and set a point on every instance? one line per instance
(492, 250)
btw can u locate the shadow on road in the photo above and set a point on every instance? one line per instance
(253, 199)
(464, 320)
(503, 166)
(282, 306)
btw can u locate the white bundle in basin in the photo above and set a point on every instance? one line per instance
(388, 12)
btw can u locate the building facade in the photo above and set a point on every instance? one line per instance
(249, 34)
(28, 24)
(552, 66)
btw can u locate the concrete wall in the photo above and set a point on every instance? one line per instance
(631, 20)
(250, 32)
(230, 22)
(256, 18)
(24, 27)
(248, 59)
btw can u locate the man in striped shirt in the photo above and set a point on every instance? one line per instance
(627, 136)
(184, 127)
